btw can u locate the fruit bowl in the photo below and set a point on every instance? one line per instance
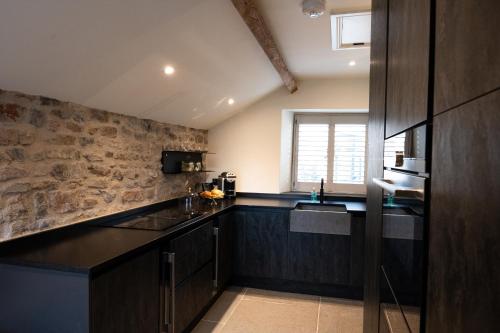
(212, 195)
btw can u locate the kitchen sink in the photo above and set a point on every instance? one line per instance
(321, 207)
(320, 219)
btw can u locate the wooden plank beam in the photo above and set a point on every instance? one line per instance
(254, 20)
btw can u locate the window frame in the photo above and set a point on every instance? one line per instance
(331, 119)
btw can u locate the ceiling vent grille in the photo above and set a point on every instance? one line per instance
(351, 30)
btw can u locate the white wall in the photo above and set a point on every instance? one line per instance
(250, 143)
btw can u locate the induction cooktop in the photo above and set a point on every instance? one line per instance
(158, 221)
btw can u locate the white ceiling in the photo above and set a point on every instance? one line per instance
(110, 54)
(306, 43)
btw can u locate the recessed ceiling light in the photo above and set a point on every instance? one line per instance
(169, 70)
(352, 63)
(230, 101)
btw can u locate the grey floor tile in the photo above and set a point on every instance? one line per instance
(258, 316)
(279, 297)
(208, 327)
(225, 305)
(340, 316)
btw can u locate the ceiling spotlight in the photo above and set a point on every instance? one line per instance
(352, 63)
(169, 70)
(230, 101)
(313, 8)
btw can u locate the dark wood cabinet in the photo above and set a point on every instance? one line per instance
(467, 51)
(126, 298)
(464, 248)
(407, 64)
(225, 249)
(319, 258)
(261, 235)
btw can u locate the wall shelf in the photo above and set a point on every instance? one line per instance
(171, 161)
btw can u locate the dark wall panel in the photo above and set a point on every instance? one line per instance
(375, 163)
(464, 249)
(40, 300)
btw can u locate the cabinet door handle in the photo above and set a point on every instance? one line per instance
(169, 294)
(216, 278)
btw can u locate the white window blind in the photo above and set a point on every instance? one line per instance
(330, 147)
(349, 154)
(312, 152)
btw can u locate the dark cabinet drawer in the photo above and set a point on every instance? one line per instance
(192, 296)
(192, 251)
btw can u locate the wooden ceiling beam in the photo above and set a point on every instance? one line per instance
(254, 20)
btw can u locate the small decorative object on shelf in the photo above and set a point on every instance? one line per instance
(187, 166)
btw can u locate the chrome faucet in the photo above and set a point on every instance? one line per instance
(322, 192)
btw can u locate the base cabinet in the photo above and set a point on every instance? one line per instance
(268, 255)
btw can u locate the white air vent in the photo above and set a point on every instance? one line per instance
(351, 30)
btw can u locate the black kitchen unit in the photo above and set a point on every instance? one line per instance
(127, 273)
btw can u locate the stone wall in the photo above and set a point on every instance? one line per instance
(63, 163)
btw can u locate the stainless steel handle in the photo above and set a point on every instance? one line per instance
(169, 294)
(398, 190)
(216, 279)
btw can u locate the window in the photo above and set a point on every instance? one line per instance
(349, 154)
(312, 163)
(333, 148)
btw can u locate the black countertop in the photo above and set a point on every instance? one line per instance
(90, 248)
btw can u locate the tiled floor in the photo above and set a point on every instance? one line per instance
(246, 310)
